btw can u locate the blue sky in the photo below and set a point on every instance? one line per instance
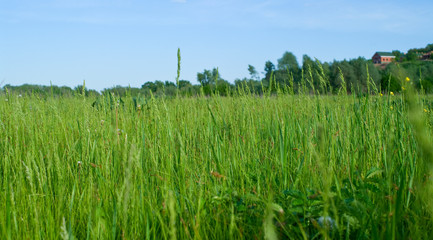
(129, 42)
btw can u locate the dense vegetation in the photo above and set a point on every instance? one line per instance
(287, 73)
(246, 166)
(292, 156)
(414, 54)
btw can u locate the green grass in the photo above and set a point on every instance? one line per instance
(244, 167)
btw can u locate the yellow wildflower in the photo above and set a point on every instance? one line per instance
(425, 110)
(391, 107)
(381, 94)
(403, 88)
(407, 79)
(392, 94)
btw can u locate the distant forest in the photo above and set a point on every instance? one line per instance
(286, 75)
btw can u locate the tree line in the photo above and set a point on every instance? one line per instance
(354, 75)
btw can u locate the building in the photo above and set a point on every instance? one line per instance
(383, 57)
(427, 56)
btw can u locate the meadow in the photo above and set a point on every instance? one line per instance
(275, 166)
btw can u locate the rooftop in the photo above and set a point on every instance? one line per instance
(385, 54)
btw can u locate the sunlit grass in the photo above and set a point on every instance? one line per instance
(274, 166)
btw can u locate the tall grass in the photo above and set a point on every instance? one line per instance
(244, 167)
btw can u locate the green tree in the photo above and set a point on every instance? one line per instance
(80, 89)
(392, 77)
(269, 68)
(169, 84)
(253, 73)
(184, 84)
(348, 73)
(159, 85)
(46, 90)
(149, 86)
(429, 47)
(307, 62)
(224, 87)
(208, 79)
(397, 54)
(288, 61)
(205, 78)
(412, 55)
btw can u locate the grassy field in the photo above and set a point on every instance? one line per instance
(245, 167)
